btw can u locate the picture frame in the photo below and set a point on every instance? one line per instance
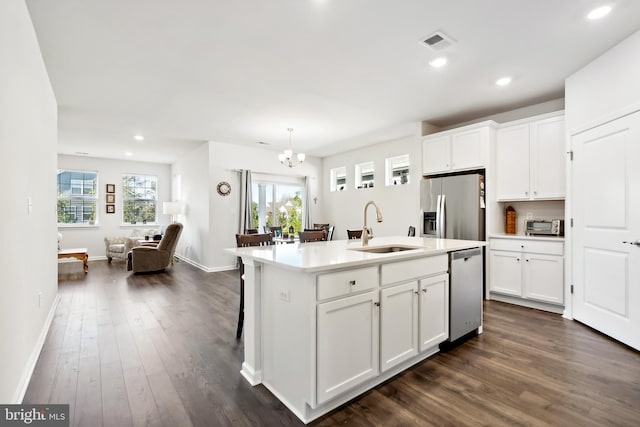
(111, 198)
(111, 209)
(111, 188)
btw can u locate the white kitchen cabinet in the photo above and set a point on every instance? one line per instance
(414, 317)
(398, 324)
(460, 149)
(528, 269)
(347, 343)
(434, 311)
(530, 160)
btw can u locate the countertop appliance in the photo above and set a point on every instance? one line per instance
(544, 227)
(465, 298)
(453, 206)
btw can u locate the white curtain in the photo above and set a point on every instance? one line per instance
(246, 217)
(307, 203)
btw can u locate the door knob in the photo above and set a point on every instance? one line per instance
(636, 243)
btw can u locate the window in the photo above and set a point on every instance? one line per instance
(139, 198)
(338, 179)
(277, 201)
(364, 175)
(397, 170)
(77, 197)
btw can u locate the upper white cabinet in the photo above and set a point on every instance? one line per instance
(530, 160)
(460, 149)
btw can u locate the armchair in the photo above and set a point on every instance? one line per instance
(115, 247)
(148, 258)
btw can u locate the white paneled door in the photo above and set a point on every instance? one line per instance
(606, 243)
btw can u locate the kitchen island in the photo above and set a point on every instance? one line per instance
(326, 321)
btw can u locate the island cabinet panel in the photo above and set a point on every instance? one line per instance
(434, 311)
(347, 282)
(401, 271)
(398, 324)
(347, 343)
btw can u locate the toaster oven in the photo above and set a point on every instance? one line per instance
(544, 227)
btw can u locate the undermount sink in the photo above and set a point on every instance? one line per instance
(385, 249)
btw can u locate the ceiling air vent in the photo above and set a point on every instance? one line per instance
(437, 41)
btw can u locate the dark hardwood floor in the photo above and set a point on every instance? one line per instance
(161, 350)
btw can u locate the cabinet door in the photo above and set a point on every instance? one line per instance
(434, 311)
(544, 278)
(548, 159)
(398, 324)
(506, 273)
(467, 149)
(512, 163)
(436, 154)
(347, 343)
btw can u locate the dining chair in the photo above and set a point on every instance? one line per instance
(412, 231)
(330, 232)
(242, 241)
(251, 231)
(354, 234)
(324, 226)
(312, 236)
(273, 230)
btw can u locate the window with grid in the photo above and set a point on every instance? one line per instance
(77, 197)
(139, 198)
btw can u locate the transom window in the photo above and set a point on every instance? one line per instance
(77, 197)
(397, 170)
(139, 198)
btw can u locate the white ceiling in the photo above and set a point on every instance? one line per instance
(342, 73)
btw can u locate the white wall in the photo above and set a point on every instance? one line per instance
(28, 139)
(110, 172)
(399, 204)
(190, 175)
(605, 86)
(211, 220)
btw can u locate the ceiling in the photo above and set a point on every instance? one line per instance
(342, 73)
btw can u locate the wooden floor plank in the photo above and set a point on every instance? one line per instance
(160, 349)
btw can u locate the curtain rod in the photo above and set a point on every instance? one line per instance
(266, 173)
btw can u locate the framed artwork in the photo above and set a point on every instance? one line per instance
(111, 209)
(111, 198)
(111, 188)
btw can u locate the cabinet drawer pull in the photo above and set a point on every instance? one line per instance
(377, 304)
(416, 292)
(352, 282)
(425, 290)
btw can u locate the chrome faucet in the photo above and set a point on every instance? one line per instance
(367, 233)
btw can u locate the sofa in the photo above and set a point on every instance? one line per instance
(118, 247)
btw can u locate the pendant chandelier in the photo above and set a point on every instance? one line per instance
(287, 158)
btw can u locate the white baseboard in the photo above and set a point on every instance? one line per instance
(21, 390)
(205, 268)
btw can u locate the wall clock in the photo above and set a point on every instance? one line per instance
(224, 188)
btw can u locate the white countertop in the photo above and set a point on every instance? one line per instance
(322, 256)
(524, 237)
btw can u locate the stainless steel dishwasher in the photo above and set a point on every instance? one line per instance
(465, 292)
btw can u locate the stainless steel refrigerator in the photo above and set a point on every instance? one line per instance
(453, 206)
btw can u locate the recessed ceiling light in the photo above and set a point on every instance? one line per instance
(503, 81)
(263, 143)
(599, 12)
(128, 154)
(440, 61)
(138, 137)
